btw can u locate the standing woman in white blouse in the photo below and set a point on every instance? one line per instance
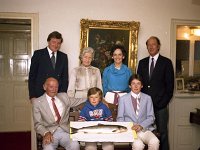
(85, 76)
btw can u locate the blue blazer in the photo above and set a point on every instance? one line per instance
(41, 69)
(126, 112)
(161, 85)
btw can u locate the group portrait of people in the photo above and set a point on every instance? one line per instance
(142, 97)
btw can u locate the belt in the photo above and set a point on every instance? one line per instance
(116, 96)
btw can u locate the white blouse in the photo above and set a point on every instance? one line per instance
(82, 79)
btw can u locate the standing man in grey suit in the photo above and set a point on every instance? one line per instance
(137, 107)
(51, 117)
(48, 62)
(158, 81)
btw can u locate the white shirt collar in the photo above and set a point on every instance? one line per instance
(49, 98)
(50, 52)
(135, 95)
(154, 57)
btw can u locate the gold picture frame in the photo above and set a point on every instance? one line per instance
(110, 32)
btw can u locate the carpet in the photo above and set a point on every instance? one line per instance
(15, 140)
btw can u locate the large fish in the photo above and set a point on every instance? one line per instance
(100, 129)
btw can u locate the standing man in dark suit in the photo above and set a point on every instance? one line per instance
(48, 62)
(158, 82)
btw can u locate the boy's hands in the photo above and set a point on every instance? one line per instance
(137, 127)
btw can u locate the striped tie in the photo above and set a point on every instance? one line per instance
(53, 60)
(151, 67)
(56, 110)
(138, 106)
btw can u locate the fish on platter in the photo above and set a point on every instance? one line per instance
(100, 129)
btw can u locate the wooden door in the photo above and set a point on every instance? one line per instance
(15, 53)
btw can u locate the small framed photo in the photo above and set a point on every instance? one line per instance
(180, 84)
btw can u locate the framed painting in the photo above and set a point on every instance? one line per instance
(101, 35)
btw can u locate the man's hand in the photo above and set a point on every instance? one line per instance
(137, 127)
(47, 138)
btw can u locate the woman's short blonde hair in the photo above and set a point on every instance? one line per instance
(87, 50)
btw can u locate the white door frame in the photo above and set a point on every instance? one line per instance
(34, 17)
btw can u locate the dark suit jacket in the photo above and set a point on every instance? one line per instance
(41, 69)
(161, 85)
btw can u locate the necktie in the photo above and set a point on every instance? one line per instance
(56, 110)
(151, 67)
(53, 60)
(138, 106)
